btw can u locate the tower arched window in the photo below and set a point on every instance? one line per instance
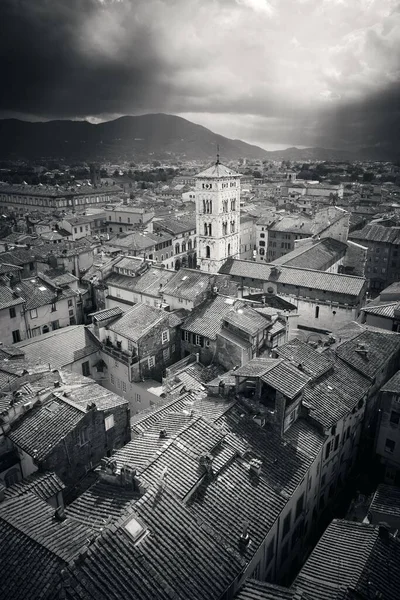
(205, 229)
(208, 252)
(189, 245)
(209, 229)
(233, 205)
(183, 247)
(176, 248)
(204, 206)
(225, 206)
(232, 226)
(229, 249)
(224, 228)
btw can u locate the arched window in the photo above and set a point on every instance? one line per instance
(183, 247)
(204, 204)
(176, 248)
(229, 249)
(224, 228)
(166, 255)
(189, 245)
(205, 229)
(209, 229)
(208, 252)
(233, 205)
(162, 257)
(232, 226)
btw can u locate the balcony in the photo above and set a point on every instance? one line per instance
(116, 352)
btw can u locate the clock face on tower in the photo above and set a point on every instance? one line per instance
(207, 186)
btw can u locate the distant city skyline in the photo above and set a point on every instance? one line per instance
(272, 73)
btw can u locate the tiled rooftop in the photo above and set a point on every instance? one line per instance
(187, 284)
(315, 255)
(377, 233)
(151, 282)
(43, 427)
(379, 348)
(36, 292)
(386, 500)
(8, 299)
(382, 310)
(44, 485)
(306, 278)
(313, 363)
(206, 319)
(217, 170)
(137, 321)
(261, 590)
(360, 562)
(393, 385)
(61, 347)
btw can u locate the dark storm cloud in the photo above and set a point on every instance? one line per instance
(54, 65)
(300, 72)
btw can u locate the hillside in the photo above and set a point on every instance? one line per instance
(155, 135)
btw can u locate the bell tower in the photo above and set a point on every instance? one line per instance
(217, 216)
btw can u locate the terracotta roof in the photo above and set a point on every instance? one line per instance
(380, 347)
(206, 319)
(359, 562)
(247, 319)
(382, 310)
(8, 299)
(377, 233)
(44, 485)
(176, 226)
(187, 284)
(107, 313)
(386, 501)
(151, 282)
(393, 385)
(284, 465)
(336, 393)
(308, 278)
(43, 427)
(253, 502)
(313, 363)
(36, 292)
(137, 321)
(61, 347)
(102, 505)
(261, 590)
(34, 519)
(285, 378)
(317, 255)
(215, 171)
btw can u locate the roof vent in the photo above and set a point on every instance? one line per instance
(362, 348)
(206, 461)
(163, 434)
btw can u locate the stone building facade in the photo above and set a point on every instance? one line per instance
(217, 216)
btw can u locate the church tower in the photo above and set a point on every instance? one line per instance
(217, 216)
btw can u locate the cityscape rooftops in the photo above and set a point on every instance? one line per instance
(187, 284)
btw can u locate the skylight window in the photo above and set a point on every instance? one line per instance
(42, 288)
(135, 529)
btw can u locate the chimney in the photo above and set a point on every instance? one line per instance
(59, 514)
(197, 357)
(244, 539)
(163, 434)
(255, 466)
(384, 531)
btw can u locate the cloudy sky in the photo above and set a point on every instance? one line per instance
(272, 72)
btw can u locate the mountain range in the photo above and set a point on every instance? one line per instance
(151, 136)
